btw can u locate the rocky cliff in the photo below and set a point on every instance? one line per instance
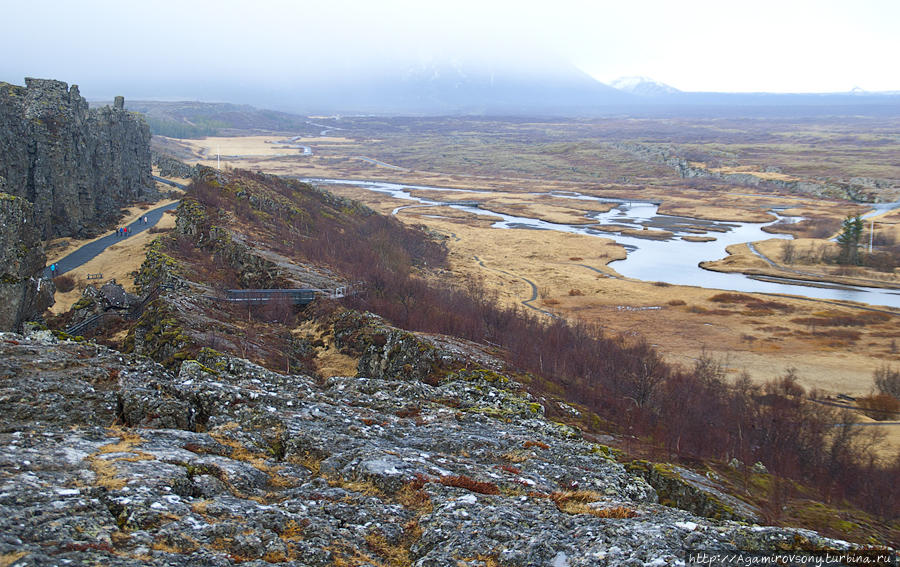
(77, 165)
(24, 294)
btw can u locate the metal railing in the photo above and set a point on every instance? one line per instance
(130, 314)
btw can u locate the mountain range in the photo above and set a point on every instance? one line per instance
(465, 87)
(447, 88)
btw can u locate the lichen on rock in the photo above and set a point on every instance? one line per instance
(112, 459)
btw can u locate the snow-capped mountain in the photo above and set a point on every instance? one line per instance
(858, 91)
(643, 86)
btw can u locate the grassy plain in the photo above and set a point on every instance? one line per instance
(518, 162)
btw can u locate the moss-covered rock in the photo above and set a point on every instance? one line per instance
(680, 488)
(400, 355)
(160, 336)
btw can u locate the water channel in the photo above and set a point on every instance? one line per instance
(672, 260)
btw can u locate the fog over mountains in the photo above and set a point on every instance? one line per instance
(534, 86)
(643, 86)
(455, 86)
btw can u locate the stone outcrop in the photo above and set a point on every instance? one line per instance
(857, 189)
(24, 295)
(685, 489)
(77, 165)
(171, 167)
(110, 459)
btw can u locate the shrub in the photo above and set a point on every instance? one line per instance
(880, 407)
(887, 380)
(470, 484)
(579, 502)
(64, 283)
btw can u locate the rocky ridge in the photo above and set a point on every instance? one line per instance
(77, 165)
(111, 458)
(171, 167)
(857, 189)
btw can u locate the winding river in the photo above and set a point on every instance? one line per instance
(671, 260)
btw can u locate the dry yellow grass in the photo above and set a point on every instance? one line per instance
(329, 360)
(8, 559)
(292, 531)
(107, 474)
(240, 146)
(579, 502)
(749, 170)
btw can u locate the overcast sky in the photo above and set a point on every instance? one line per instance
(172, 48)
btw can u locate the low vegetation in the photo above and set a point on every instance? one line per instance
(623, 383)
(64, 283)
(887, 380)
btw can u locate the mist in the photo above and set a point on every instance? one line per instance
(298, 56)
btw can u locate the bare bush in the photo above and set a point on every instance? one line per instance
(887, 380)
(880, 407)
(64, 283)
(788, 251)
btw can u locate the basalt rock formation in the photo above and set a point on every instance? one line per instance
(77, 165)
(171, 167)
(111, 459)
(24, 294)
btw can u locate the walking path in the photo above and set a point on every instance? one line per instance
(534, 289)
(93, 249)
(382, 164)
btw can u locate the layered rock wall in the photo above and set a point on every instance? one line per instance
(24, 295)
(77, 165)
